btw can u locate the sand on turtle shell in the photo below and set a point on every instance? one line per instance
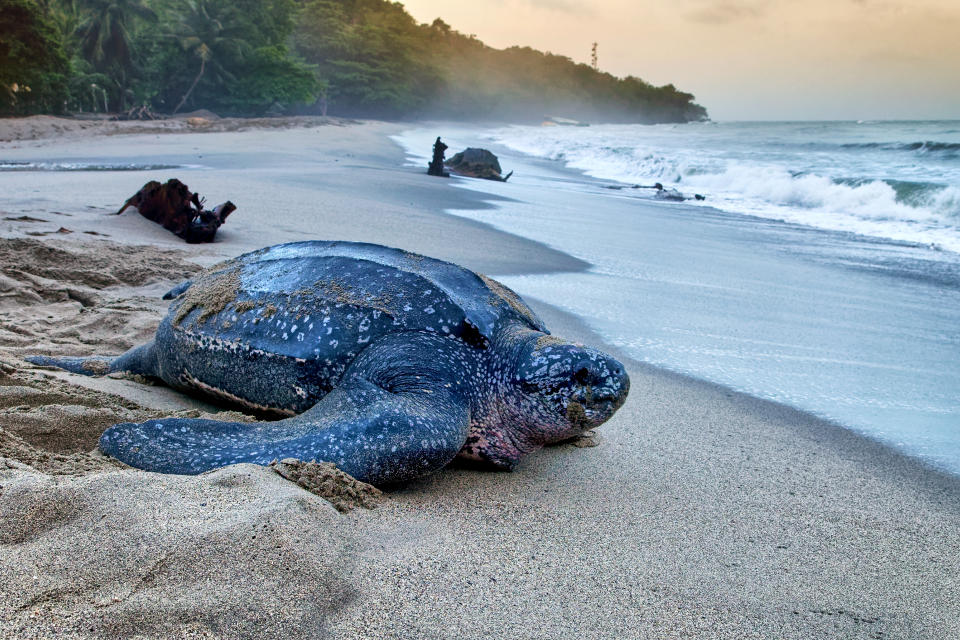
(244, 305)
(548, 340)
(342, 293)
(508, 296)
(211, 293)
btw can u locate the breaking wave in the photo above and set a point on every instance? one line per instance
(927, 146)
(845, 186)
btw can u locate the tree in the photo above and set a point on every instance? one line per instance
(365, 58)
(33, 64)
(66, 16)
(209, 31)
(370, 54)
(272, 79)
(105, 38)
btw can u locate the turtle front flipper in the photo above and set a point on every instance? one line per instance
(395, 416)
(370, 433)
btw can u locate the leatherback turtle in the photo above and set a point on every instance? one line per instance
(387, 363)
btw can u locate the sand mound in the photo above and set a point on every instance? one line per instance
(75, 298)
(71, 299)
(81, 299)
(95, 266)
(238, 552)
(53, 426)
(343, 491)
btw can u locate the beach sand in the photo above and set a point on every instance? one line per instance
(701, 513)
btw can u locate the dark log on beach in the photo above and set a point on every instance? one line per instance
(176, 209)
(477, 163)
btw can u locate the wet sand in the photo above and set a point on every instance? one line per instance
(701, 512)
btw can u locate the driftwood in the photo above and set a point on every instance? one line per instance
(143, 112)
(477, 163)
(176, 209)
(662, 193)
(435, 168)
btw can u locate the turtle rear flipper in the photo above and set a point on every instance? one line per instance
(141, 360)
(369, 433)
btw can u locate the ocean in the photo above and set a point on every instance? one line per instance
(822, 270)
(897, 180)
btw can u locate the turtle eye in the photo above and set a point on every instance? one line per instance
(582, 376)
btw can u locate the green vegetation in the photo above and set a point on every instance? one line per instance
(250, 57)
(33, 65)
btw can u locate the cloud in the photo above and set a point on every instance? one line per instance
(726, 11)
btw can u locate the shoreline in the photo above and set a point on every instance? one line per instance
(40, 128)
(701, 512)
(883, 457)
(890, 260)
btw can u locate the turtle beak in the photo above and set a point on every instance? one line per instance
(603, 385)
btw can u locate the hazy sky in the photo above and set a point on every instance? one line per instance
(748, 59)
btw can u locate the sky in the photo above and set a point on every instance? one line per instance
(747, 59)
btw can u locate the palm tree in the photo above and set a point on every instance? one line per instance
(105, 35)
(66, 16)
(210, 30)
(105, 40)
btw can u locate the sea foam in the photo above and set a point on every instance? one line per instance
(826, 176)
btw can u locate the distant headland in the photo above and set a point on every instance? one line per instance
(297, 57)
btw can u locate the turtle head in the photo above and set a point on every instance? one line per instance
(577, 388)
(558, 390)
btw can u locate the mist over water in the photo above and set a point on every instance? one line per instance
(898, 180)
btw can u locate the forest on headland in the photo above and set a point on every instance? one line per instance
(355, 58)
